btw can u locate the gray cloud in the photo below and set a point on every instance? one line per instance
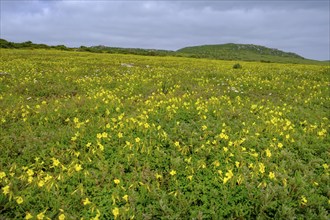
(297, 26)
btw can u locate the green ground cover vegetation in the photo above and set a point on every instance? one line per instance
(111, 136)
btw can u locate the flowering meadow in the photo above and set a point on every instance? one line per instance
(109, 136)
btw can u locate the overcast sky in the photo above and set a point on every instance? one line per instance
(295, 26)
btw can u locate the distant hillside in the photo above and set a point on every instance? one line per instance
(244, 52)
(94, 49)
(28, 44)
(247, 52)
(120, 50)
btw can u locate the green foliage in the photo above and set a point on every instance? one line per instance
(104, 136)
(118, 50)
(29, 45)
(237, 66)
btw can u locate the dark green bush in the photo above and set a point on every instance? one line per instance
(237, 66)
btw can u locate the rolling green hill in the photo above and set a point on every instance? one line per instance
(246, 52)
(230, 51)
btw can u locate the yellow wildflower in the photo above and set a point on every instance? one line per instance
(41, 216)
(303, 200)
(146, 125)
(48, 177)
(223, 136)
(120, 135)
(137, 140)
(86, 201)
(56, 162)
(76, 153)
(100, 146)
(97, 217)
(19, 199)
(30, 172)
(229, 175)
(117, 181)
(173, 172)
(262, 184)
(61, 217)
(158, 176)
(76, 120)
(41, 183)
(254, 154)
(78, 167)
(104, 135)
(261, 167)
(125, 197)
(28, 216)
(115, 212)
(322, 132)
(325, 166)
(177, 144)
(188, 160)
(30, 179)
(271, 175)
(216, 163)
(268, 153)
(5, 190)
(284, 182)
(2, 175)
(279, 145)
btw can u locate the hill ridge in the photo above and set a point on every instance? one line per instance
(233, 51)
(228, 51)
